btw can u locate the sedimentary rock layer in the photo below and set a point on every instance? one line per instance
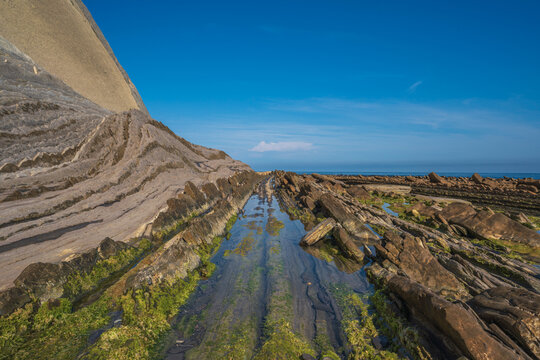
(62, 37)
(462, 282)
(191, 227)
(73, 173)
(514, 195)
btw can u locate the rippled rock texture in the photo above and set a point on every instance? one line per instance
(463, 275)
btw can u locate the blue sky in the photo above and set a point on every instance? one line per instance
(340, 85)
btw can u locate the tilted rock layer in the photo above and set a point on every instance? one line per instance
(62, 37)
(72, 173)
(464, 297)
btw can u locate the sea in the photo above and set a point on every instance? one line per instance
(442, 173)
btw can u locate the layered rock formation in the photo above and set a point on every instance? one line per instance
(62, 37)
(467, 292)
(512, 195)
(73, 173)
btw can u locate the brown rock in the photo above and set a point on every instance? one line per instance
(334, 208)
(413, 257)
(318, 232)
(211, 191)
(522, 218)
(410, 178)
(12, 299)
(108, 247)
(515, 311)
(347, 244)
(489, 225)
(423, 209)
(308, 202)
(192, 191)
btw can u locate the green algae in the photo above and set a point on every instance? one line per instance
(394, 326)
(255, 226)
(51, 330)
(56, 330)
(168, 232)
(303, 215)
(146, 315)
(280, 340)
(274, 226)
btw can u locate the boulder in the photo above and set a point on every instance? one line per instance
(347, 244)
(108, 247)
(44, 280)
(318, 232)
(477, 179)
(334, 208)
(457, 212)
(410, 178)
(308, 202)
(527, 187)
(522, 218)
(192, 191)
(12, 299)
(533, 182)
(211, 191)
(423, 209)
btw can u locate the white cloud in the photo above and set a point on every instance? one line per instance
(413, 87)
(263, 146)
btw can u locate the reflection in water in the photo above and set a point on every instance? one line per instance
(266, 290)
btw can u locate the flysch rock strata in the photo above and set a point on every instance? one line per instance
(72, 173)
(464, 297)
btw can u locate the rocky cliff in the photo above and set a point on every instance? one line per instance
(73, 173)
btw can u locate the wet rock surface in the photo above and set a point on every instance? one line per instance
(73, 173)
(318, 232)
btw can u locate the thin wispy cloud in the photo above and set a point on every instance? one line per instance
(263, 146)
(414, 86)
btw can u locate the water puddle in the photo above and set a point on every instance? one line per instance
(263, 277)
(388, 210)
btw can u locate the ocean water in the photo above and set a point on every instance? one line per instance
(413, 173)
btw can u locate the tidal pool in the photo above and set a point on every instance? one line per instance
(388, 210)
(265, 281)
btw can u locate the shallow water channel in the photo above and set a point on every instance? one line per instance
(262, 273)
